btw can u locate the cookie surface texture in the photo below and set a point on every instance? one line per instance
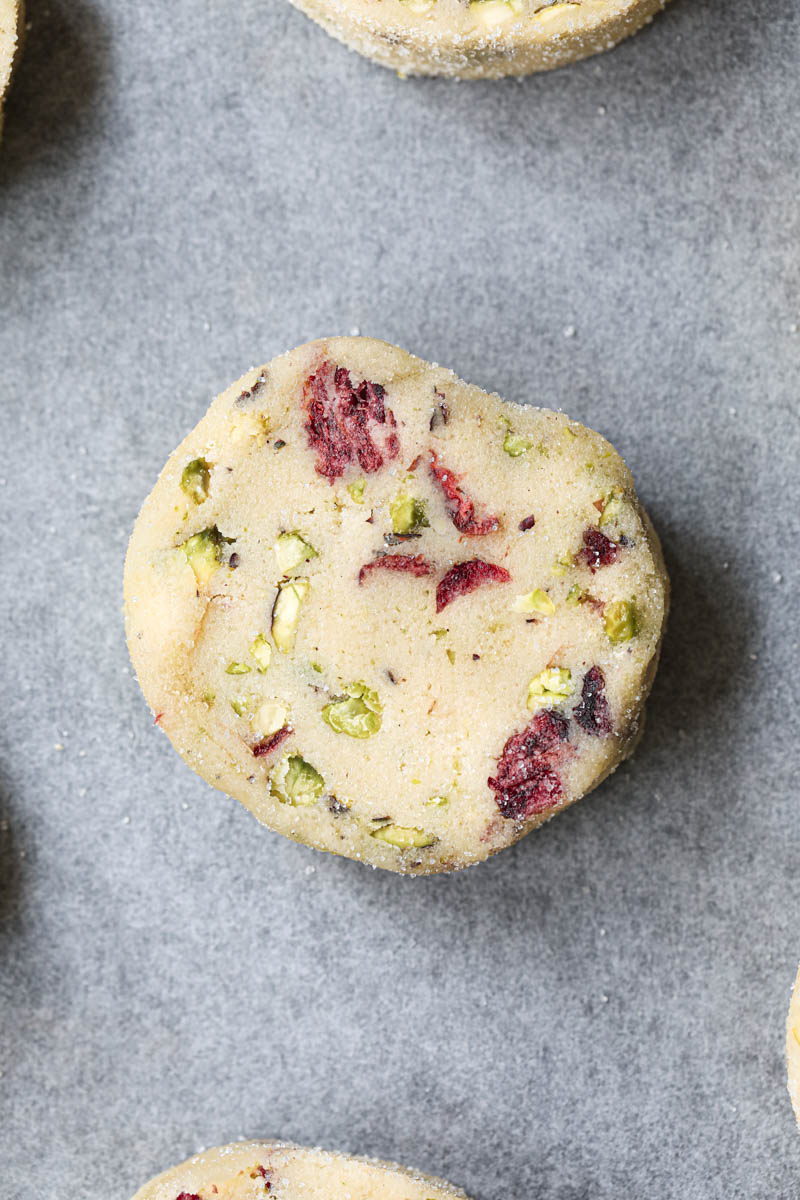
(484, 39)
(11, 24)
(254, 1170)
(793, 1048)
(398, 618)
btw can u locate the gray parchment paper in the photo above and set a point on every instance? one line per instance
(187, 189)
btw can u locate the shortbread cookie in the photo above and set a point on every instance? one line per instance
(481, 39)
(11, 21)
(793, 1048)
(397, 618)
(281, 1171)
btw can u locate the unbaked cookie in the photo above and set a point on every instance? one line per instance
(11, 20)
(793, 1048)
(481, 39)
(396, 617)
(280, 1171)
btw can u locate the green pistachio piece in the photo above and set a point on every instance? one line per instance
(242, 705)
(535, 601)
(575, 595)
(437, 802)
(295, 781)
(402, 837)
(196, 479)
(515, 445)
(359, 715)
(204, 552)
(549, 687)
(208, 698)
(270, 717)
(237, 668)
(451, 654)
(261, 651)
(356, 490)
(612, 508)
(407, 514)
(620, 621)
(561, 565)
(286, 612)
(291, 550)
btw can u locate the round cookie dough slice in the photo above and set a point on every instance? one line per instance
(253, 1170)
(11, 22)
(481, 39)
(793, 1048)
(397, 618)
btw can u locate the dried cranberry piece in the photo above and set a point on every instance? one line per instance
(527, 523)
(268, 744)
(343, 422)
(460, 508)
(188, 1196)
(413, 564)
(527, 781)
(592, 712)
(464, 577)
(598, 550)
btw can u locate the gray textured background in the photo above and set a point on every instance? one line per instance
(189, 188)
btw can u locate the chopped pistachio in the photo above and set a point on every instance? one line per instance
(359, 715)
(535, 601)
(620, 621)
(612, 508)
(575, 595)
(571, 432)
(437, 802)
(286, 612)
(356, 490)
(291, 550)
(295, 781)
(451, 654)
(440, 633)
(195, 480)
(402, 837)
(269, 717)
(492, 12)
(407, 514)
(554, 10)
(561, 565)
(514, 444)
(261, 651)
(204, 552)
(208, 698)
(237, 668)
(549, 687)
(241, 705)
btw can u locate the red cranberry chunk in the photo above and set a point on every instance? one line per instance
(347, 424)
(268, 744)
(598, 550)
(592, 712)
(527, 781)
(412, 564)
(188, 1196)
(527, 523)
(460, 507)
(465, 577)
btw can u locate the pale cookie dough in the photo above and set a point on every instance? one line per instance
(793, 1048)
(280, 1171)
(397, 618)
(483, 39)
(11, 22)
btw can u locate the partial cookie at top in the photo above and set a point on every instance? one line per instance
(11, 23)
(793, 1048)
(281, 1171)
(397, 618)
(479, 39)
